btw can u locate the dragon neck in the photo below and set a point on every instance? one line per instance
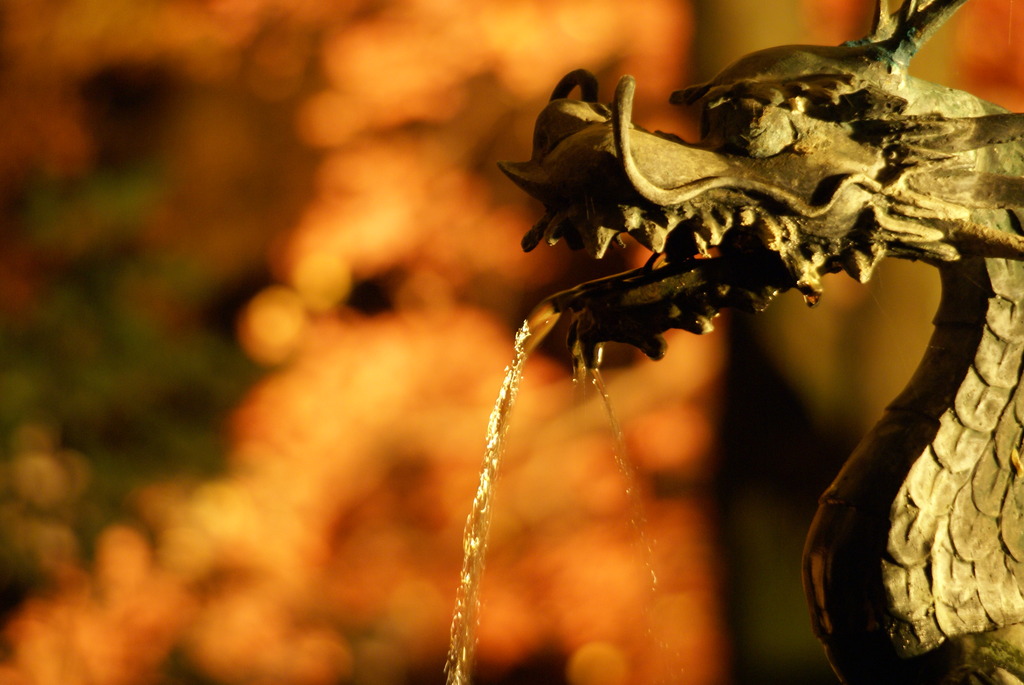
(942, 387)
(943, 456)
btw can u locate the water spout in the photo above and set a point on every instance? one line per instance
(462, 647)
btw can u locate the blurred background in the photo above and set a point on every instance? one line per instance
(259, 279)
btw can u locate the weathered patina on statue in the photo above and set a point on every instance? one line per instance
(814, 160)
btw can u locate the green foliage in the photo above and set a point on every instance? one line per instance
(122, 349)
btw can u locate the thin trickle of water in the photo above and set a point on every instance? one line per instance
(582, 370)
(637, 518)
(462, 647)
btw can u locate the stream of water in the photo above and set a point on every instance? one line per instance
(462, 647)
(637, 518)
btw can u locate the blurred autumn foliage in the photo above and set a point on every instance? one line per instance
(259, 281)
(258, 284)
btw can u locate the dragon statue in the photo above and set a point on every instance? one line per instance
(814, 160)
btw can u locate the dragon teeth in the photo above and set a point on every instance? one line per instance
(632, 217)
(650, 235)
(860, 264)
(555, 228)
(598, 240)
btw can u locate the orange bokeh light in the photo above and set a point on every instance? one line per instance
(381, 296)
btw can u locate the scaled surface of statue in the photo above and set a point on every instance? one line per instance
(814, 160)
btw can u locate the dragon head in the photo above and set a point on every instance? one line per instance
(812, 160)
(590, 195)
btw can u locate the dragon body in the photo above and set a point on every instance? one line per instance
(814, 160)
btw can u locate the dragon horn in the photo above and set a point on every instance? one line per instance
(882, 26)
(916, 24)
(907, 10)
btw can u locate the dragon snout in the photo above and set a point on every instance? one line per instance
(530, 176)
